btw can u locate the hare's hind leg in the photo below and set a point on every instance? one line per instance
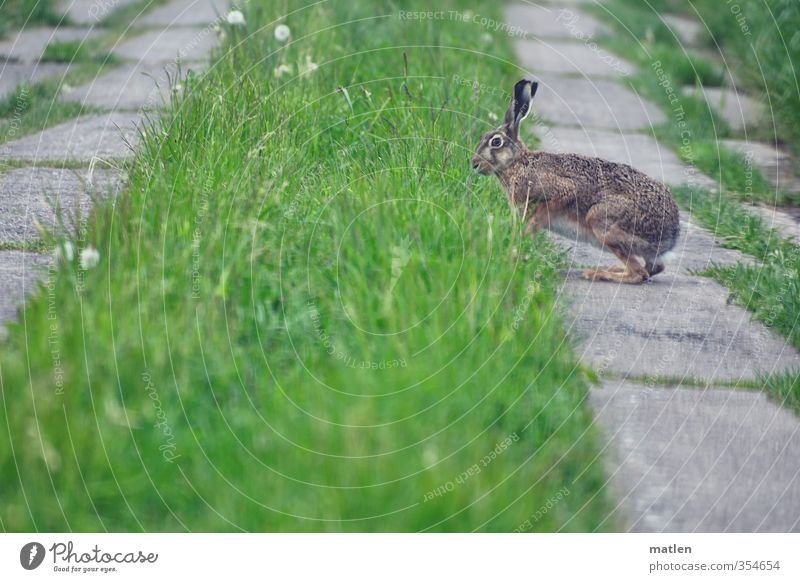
(624, 245)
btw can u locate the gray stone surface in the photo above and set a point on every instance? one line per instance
(696, 250)
(20, 273)
(700, 460)
(639, 150)
(569, 57)
(778, 166)
(49, 198)
(131, 87)
(12, 74)
(553, 21)
(786, 224)
(29, 44)
(676, 326)
(740, 111)
(167, 46)
(687, 30)
(593, 104)
(184, 13)
(80, 139)
(90, 12)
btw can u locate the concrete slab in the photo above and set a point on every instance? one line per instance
(569, 57)
(20, 273)
(12, 74)
(700, 460)
(90, 12)
(639, 150)
(696, 250)
(539, 21)
(779, 167)
(676, 326)
(49, 198)
(184, 13)
(788, 225)
(740, 111)
(131, 87)
(103, 136)
(596, 104)
(29, 44)
(168, 46)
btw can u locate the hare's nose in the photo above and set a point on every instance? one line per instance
(475, 163)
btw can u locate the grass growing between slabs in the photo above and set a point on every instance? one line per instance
(770, 288)
(306, 314)
(30, 108)
(17, 14)
(693, 128)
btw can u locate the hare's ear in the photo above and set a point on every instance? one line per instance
(520, 106)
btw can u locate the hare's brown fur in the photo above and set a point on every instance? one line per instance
(611, 205)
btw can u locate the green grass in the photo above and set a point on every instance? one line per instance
(306, 315)
(694, 128)
(764, 51)
(784, 389)
(18, 14)
(76, 52)
(120, 17)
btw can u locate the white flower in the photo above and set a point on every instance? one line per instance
(64, 251)
(493, 116)
(309, 66)
(281, 70)
(89, 258)
(486, 37)
(282, 33)
(236, 18)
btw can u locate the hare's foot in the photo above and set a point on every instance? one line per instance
(616, 275)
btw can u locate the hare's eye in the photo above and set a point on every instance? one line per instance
(496, 142)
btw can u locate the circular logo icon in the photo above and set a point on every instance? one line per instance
(31, 555)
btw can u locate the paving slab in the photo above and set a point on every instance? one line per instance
(184, 13)
(675, 326)
(168, 46)
(739, 110)
(569, 57)
(554, 21)
(105, 136)
(29, 44)
(700, 459)
(779, 167)
(49, 198)
(688, 31)
(20, 273)
(696, 250)
(131, 87)
(90, 12)
(594, 103)
(785, 222)
(12, 74)
(638, 150)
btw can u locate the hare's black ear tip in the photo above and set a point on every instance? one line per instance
(534, 87)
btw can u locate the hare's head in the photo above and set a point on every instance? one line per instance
(500, 147)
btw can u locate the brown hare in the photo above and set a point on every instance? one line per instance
(610, 205)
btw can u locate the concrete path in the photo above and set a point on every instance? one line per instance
(685, 450)
(50, 180)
